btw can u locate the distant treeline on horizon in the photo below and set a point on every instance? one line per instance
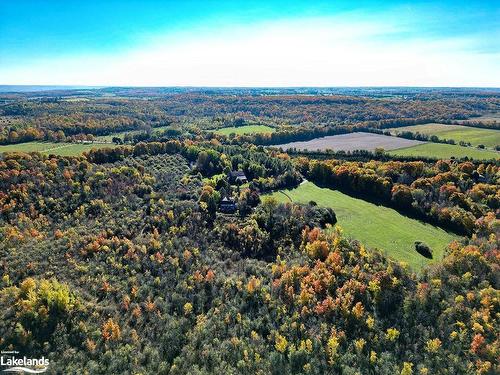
(142, 90)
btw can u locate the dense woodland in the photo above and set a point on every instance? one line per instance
(27, 117)
(119, 261)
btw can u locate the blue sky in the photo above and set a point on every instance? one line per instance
(250, 43)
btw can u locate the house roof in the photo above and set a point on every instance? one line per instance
(236, 174)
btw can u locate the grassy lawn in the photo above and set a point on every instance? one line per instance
(247, 129)
(445, 151)
(375, 226)
(476, 136)
(64, 149)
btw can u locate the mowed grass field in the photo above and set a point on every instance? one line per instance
(247, 129)
(445, 151)
(63, 149)
(476, 136)
(375, 226)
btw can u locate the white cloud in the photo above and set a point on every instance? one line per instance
(313, 52)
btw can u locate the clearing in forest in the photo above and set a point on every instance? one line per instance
(445, 151)
(475, 136)
(375, 226)
(63, 149)
(247, 129)
(109, 137)
(351, 142)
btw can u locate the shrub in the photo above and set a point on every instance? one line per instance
(423, 249)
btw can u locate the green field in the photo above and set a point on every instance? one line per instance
(445, 151)
(109, 137)
(247, 129)
(476, 136)
(64, 149)
(375, 226)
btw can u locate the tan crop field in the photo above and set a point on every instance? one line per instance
(351, 142)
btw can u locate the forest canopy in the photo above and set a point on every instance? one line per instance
(165, 255)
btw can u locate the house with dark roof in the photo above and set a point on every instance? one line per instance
(237, 177)
(478, 177)
(227, 206)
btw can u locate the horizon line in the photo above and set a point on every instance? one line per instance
(246, 87)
